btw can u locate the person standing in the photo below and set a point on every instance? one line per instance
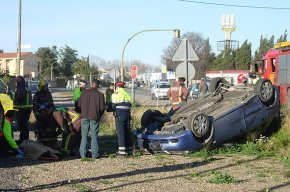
(109, 93)
(178, 94)
(77, 94)
(22, 102)
(92, 104)
(203, 88)
(43, 110)
(121, 106)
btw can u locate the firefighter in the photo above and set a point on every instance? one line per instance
(22, 102)
(178, 95)
(43, 110)
(121, 106)
(77, 94)
(8, 146)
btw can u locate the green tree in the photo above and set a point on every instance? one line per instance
(1, 51)
(48, 58)
(68, 58)
(265, 45)
(82, 67)
(243, 55)
(283, 37)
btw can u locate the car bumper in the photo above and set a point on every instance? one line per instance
(183, 141)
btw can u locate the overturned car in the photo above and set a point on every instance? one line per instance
(206, 122)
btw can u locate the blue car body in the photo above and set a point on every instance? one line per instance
(234, 114)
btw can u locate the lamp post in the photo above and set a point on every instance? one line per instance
(51, 69)
(176, 33)
(19, 40)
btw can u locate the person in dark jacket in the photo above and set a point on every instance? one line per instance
(92, 104)
(109, 93)
(77, 94)
(43, 110)
(22, 102)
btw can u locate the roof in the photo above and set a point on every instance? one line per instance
(14, 55)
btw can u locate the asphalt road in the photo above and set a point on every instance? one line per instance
(64, 98)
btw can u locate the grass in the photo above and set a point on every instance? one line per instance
(221, 178)
(81, 188)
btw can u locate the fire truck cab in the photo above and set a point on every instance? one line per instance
(276, 67)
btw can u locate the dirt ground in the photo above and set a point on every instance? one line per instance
(158, 172)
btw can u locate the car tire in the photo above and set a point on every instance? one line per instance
(265, 91)
(215, 82)
(148, 117)
(198, 123)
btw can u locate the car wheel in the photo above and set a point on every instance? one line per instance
(148, 117)
(265, 91)
(198, 123)
(215, 82)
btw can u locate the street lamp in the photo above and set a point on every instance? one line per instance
(51, 68)
(176, 33)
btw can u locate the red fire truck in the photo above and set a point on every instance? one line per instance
(276, 67)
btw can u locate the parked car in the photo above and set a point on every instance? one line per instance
(159, 90)
(223, 114)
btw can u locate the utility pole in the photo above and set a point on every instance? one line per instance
(19, 40)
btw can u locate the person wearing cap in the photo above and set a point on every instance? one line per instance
(202, 88)
(178, 94)
(43, 110)
(92, 104)
(22, 102)
(121, 106)
(77, 94)
(8, 146)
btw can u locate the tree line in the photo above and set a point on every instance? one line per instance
(65, 61)
(229, 59)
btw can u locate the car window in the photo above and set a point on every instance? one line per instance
(164, 86)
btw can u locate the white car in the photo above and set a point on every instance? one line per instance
(159, 90)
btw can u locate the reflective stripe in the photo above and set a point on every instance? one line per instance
(123, 107)
(125, 148)
(179, 94)
(47, 139)
(67, 142)
(22, 106)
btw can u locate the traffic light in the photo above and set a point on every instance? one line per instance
(177, 33)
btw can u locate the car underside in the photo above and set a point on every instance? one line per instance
(206, 122)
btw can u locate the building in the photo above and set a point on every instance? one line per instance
(29, 65)
(230, 75)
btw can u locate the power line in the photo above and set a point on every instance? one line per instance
(233, 5)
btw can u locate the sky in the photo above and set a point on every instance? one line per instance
(102, 27)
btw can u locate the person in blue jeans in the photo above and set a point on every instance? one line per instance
(92, 104)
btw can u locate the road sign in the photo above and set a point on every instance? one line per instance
(180, 53)
(181, 71)
(134, 71)
(114, 73)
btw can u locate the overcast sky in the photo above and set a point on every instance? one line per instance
(102, 27)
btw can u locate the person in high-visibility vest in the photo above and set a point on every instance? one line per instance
(77, 94)
(8, 146)
(109, 93)
(22, 102)
(121, 106)
(178, 94)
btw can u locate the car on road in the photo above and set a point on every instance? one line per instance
(223, 114)
(159, 90)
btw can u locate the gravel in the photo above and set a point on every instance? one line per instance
(145, 173)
